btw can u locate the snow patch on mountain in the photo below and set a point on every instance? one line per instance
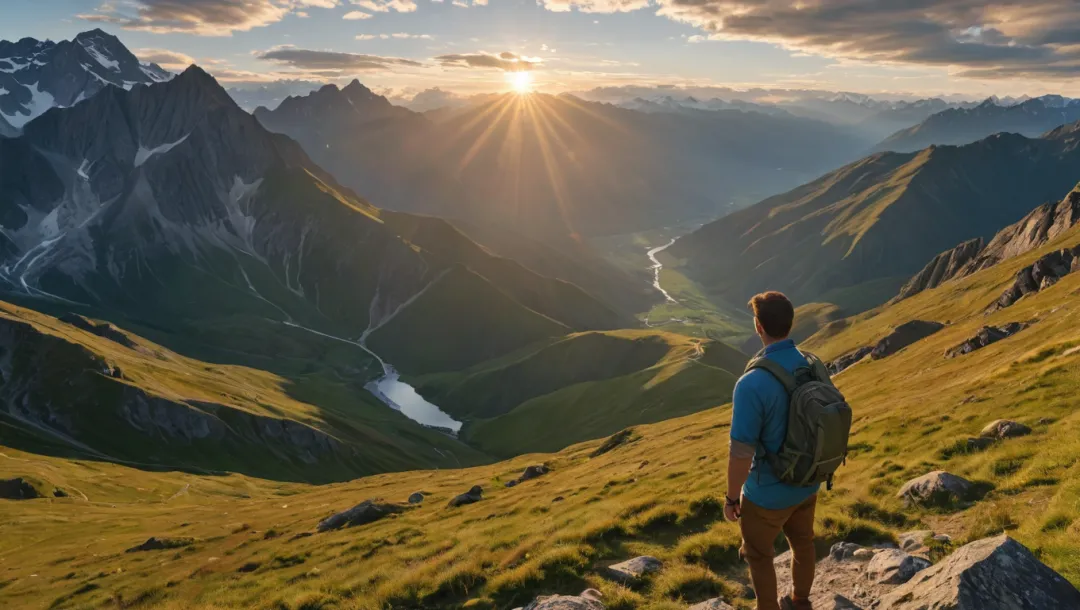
(144, 154)
(40, 101)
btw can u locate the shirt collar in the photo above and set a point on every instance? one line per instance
(779, 345)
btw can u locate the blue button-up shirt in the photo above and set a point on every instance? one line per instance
(759, 418)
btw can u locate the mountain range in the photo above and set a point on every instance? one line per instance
(36, 75)
(556, 166)
(957, 126)
(855, 235)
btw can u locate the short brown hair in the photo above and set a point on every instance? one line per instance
(774, 312)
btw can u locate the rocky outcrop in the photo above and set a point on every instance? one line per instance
(531, 472)
(1040, 275)
(102, 329)
(17, 489)
(160, 544)
(1039, 227)
(990, 573)
(900, 337)
(588, 600)
(894, 567)
(845, 361)
(1004, 428)
(987, 335)
(633, 570)
(368, 511)
(615, 440)
(948, 265)
(938, 488)
(470, 497)
(903, 336)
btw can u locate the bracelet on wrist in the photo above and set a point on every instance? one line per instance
(730, 502)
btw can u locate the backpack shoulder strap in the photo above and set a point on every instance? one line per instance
(774, 368)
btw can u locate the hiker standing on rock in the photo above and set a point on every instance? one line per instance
(789, 431)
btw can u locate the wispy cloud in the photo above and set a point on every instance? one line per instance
(200, 17)
(505, 61)
(332, 62)
(170, 60)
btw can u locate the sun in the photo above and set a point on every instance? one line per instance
(520, 81)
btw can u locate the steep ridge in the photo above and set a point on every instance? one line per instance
(959, 126)
(36, 75)
(854, 236)
(556, 166)
(111, 395)
(1045, 223)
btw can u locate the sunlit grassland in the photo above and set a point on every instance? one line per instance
(657, 494)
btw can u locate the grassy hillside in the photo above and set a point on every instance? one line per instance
(458, 321)
(656, 494)
(584, 386)
(853, 236)
(74, 393)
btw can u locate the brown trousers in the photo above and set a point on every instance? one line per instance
(760, 526)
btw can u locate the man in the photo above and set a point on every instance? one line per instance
(763, 505)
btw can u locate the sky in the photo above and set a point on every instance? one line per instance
(904, 47)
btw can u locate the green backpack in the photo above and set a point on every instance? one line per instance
(819, 422)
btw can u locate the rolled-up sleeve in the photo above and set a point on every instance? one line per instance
(746, 418)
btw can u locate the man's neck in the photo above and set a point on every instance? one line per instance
(766, 341)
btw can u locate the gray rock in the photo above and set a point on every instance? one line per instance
(1004, 428)
(903, 336)
(863, 554)
(366, 512)
(911, 541)
(943, 538)
(588, 600)
(936, 488)
(979, 443)
(470, 497)
(416, 498)
(843, 550)
(512, 483)
(633, 570)
(614, 441)
(160, 544)
(989, 574)
(533, 472)
(986, 335)
(712, 604)
(17, 489)
(894, 567)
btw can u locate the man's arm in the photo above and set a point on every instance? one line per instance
(745, 431)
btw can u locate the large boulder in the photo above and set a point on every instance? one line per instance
(366, 512)
(416, 497)
(845, 361)
(1004, 428)
(18, 489)
(989, 574)
(588, 600)
(472, 496)
(894, 567)
(937, 488)
(633, 570)
(533, 472)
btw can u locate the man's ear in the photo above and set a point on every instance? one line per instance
(758, 329)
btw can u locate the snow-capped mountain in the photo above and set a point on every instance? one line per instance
(36, 75)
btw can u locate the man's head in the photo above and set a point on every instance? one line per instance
(773, 316)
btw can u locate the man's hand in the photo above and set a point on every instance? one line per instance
(732, 512)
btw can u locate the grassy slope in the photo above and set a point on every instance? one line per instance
(645, 497)
(584, 386)
(460, 320)
(320, 397)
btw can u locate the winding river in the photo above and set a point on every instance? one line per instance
(657, 266)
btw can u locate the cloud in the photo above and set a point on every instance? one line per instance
(200, 17)
(170, 60)
(331, 62)
(594, 6)
(975, 38)
(384, 6)
(506, 61)
(354, 15)
(397, 35)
